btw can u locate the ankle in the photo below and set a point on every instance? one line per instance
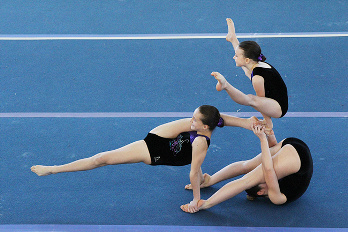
(53, 169)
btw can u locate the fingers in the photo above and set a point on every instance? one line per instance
(258, 129)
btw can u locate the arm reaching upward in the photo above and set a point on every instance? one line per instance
(269, 173)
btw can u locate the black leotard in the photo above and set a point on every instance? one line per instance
(274, 85)
(169, 151)
(294, 185)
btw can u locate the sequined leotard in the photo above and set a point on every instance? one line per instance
(169, 151)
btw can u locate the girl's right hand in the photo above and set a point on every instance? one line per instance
(259, 131)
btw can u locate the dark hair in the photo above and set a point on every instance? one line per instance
(211, 116)
(252, 192)
(252, 51)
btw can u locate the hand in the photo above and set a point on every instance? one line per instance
(259, 130)
(190, 208)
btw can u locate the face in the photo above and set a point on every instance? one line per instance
(196, 122)
(239, 57)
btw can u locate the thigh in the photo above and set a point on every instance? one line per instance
(135, 152)
(286, 161)
(268, 106)
(173, 129)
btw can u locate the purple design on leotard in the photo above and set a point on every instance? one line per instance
(176, 144)
(193, 135)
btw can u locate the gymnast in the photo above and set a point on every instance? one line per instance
(176, 143)
(271, 98)
(282, 173)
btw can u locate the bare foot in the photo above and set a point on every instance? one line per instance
(204, 184)
(254, 121)
(42, 170)
(200, 205)
(231, 30)
(221, 85)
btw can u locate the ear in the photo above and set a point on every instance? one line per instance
(247, 60)
(205, 127)
(261, 192)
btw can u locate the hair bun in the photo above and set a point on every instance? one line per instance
(261, 57)
(221, 122)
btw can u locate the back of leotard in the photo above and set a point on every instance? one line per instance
(274, 85)
(169, 151)
(295, 185)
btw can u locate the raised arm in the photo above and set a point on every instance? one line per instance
(269, 173)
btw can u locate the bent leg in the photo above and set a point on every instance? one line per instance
(266, 106)
(235, 169)
(172, 129)
(235, 187)
(132, 153)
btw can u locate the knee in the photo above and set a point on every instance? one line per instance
(252, 100)
(247, 166)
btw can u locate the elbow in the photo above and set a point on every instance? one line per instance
(279, 201)
(268, 170)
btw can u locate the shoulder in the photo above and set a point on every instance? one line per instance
(199, 140)
(200, 143)
(257, 78)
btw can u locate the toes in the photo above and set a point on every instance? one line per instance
(184, 208)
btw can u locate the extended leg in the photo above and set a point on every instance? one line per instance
(132, 153)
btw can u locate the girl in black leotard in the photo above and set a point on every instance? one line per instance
(180, 142)
(271, 98)
(282, 172)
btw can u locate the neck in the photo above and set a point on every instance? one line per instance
(205, 132)
(252, 66)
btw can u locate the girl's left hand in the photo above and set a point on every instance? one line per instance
(190, 208)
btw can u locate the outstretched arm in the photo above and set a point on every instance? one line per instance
(269, 173)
